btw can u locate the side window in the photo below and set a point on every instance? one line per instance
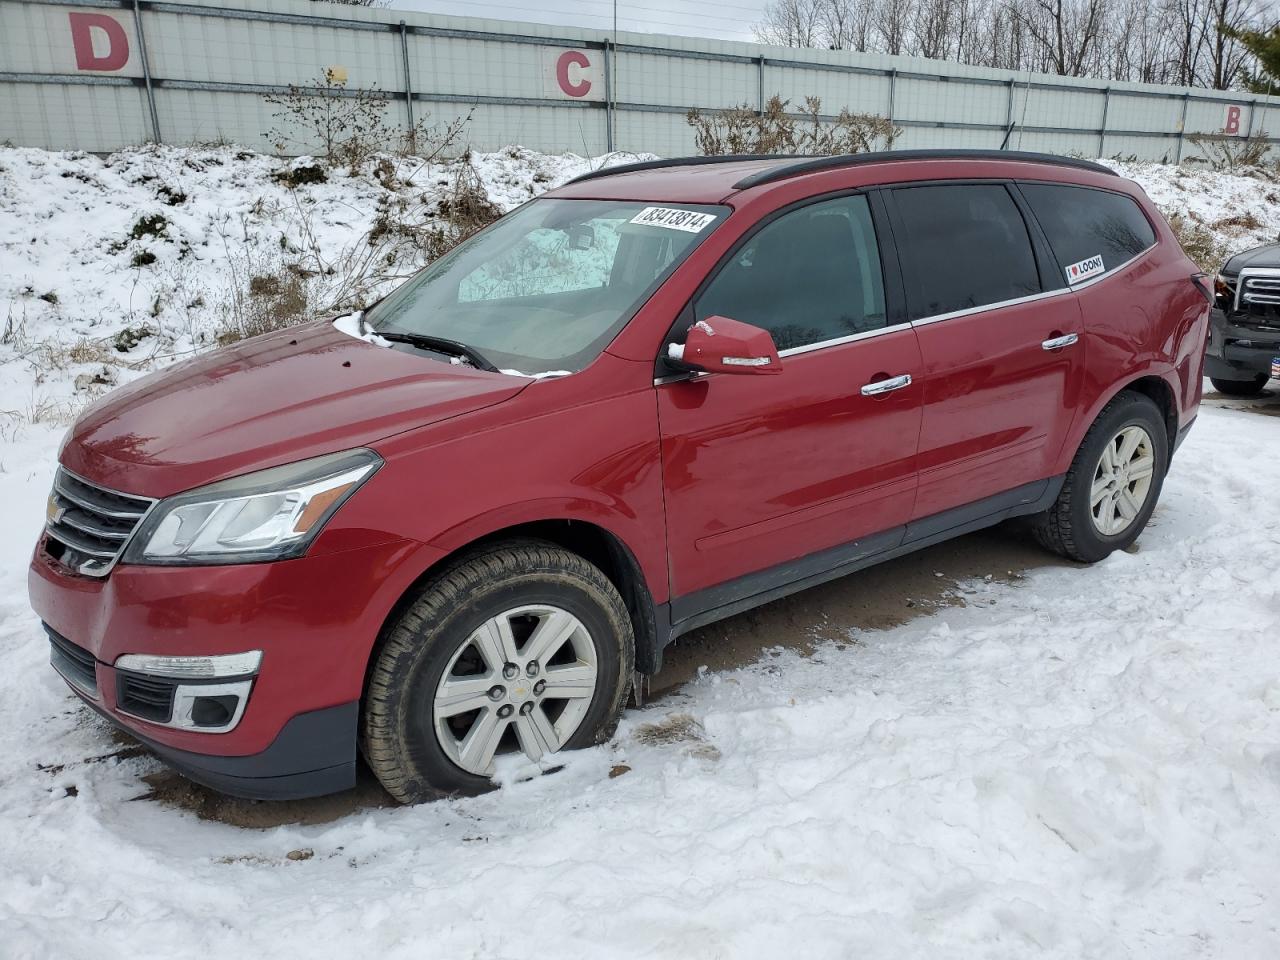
(967, 246)
(1082, 223)
(811, 275)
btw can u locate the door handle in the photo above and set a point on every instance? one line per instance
(1057, 343)
(886, 386)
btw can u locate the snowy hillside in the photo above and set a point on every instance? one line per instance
(111, 266)
(1026, 759)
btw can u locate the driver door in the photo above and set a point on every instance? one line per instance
(770, 480)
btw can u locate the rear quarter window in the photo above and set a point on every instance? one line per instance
(1082, 223)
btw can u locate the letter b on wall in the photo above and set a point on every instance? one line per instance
(100, 42)
(1232, 126)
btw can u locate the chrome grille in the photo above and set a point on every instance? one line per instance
(1261, 290)
(89, 525)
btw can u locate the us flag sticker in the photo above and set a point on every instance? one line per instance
(1084, 269)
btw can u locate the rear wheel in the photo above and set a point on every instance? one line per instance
(1113, 484)
(523, 649)
(1241, 388)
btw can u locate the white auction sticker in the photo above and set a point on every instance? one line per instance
(690, 221)
(1085, 268)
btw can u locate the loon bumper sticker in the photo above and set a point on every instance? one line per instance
(690, 221)
(1086, 268)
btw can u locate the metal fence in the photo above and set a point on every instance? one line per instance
(98, 75)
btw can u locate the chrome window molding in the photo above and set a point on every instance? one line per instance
(937, 318)
(1031, 298)
(840, 341)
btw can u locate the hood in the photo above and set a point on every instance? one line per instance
(1267, 255)
(282, 397)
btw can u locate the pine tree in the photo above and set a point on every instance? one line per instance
(1265, 46)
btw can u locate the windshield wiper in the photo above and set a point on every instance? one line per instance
(440, 345)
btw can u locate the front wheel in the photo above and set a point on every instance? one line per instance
(525, 648)
(1240, 388)
(1113, 483)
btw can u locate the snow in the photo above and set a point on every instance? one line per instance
(1084, 762)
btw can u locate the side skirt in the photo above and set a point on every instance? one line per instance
(697, 609)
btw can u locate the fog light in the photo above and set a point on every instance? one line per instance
(213, 711)
(210, 707)
(193, 668)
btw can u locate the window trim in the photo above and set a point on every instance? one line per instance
(1043, 295)
(1008, 185)
(891, 279)
(1032, 181)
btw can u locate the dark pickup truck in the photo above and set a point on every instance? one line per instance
(1244, 326)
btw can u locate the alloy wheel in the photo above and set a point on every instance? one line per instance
(1122, 481)
(523, 680)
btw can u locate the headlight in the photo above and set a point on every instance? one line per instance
(270, 515)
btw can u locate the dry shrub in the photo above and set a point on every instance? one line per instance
(350, 125)
(1198, 241)
(408, 233)
(742, 130)
(1239, 221)
(263, 303)
(1222, 152)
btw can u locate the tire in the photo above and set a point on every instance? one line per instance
(1081, 527)
(436, 659)
(1241, 388)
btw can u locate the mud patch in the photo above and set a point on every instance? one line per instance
(678, 729)
(1266, 403)
(951, 574)
(174, 790)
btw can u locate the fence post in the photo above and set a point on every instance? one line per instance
(146, 72)
(1102, 130)
(760, 85)
(1182, 127)
(1253, 110)
(408, 85)
(1008, 119)
(893, 92)
(608, 98)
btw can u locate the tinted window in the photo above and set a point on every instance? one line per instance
(1082, 223)
(809, 276)
(967, 245)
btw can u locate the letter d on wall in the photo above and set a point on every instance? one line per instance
(83, 27)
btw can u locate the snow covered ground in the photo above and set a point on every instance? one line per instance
(1084, 762)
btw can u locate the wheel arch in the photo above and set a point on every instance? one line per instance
(592, 541)
(1158, 386)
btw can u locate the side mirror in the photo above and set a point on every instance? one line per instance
(722, 345)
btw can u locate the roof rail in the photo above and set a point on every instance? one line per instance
(677, 162)
(813, 164)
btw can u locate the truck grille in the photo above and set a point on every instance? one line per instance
(89, 525)
(1261, 291)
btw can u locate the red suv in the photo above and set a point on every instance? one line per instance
(466, 522)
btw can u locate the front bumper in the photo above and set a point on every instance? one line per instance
(314, 618)
(314, 755)
(1227, 358)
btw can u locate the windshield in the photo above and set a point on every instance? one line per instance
(547, 287)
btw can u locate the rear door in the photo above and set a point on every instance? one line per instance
(999, 334)
(770, 479)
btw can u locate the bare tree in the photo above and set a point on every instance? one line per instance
(1188, 42)
(792, 23)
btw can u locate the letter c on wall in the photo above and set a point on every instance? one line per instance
(82, 25)
(572, 58)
